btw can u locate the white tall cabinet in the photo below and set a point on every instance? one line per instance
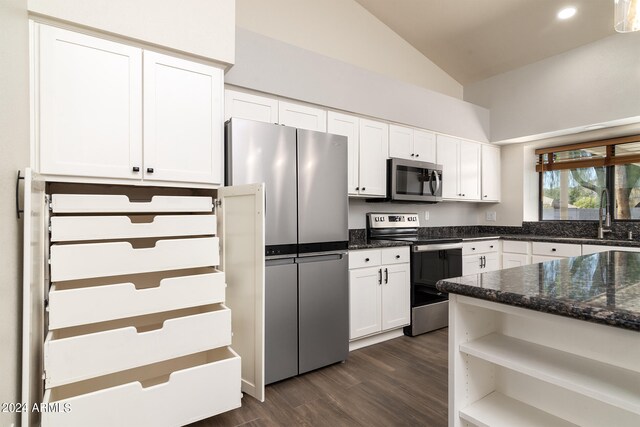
(98, 112)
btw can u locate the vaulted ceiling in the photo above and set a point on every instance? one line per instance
(475, 39)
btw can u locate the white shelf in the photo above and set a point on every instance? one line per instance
(87, 301)
(77, 228)
(109, 203)
(498, 410)
(83, 261)
(610, 384)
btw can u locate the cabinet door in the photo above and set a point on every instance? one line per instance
(251, 107)
(364, 302)
(469, 158)
(490, 173)
(349, 126)
(89, 92)
(424, 146)
(471, 265)
(401, 142)
(542, 258)
(396, 298)
(514, 260)
(182, 120)
(302, 116)
(374, 146)
(447, 156)
(491, 262)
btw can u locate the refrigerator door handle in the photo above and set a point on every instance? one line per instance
(319, 258)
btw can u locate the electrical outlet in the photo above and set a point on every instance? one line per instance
(491, 216)
(426, 215)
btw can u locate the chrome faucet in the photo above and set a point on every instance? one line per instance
(604, 213)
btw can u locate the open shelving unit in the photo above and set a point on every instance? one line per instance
(512, 366)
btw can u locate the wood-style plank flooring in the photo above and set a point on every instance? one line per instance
(401, 382)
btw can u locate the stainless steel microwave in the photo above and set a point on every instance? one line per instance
(412, 181)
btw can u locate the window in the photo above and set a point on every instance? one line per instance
(573, 177)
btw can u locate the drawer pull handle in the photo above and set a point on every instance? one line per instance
(491, 246)
(553, 249)
(473, 249)
(397, 256)
(366, 260)
(149, 170)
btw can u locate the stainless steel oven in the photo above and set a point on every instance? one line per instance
(432, 259)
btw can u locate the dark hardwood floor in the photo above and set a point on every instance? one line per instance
(402, 382)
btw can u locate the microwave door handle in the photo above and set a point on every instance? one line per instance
(434, 174)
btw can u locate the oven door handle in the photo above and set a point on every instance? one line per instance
(440, 247)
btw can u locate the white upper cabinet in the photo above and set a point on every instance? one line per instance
(89, 92)
(182, 120)
(349, 126)
(248, 106)
(490, 173)
(302, 116)
(374, 146)
(412, 144)
(460, 162)
(98, 114)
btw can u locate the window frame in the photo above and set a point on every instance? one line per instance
(609, 162)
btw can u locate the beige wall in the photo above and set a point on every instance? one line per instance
(199, 27)
(344, 30)
(14, 155)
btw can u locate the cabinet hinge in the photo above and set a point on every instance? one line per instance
(216, 204)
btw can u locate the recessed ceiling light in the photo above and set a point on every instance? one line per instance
(566, 13)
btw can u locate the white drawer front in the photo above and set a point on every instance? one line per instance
(108, 203)
(480, 246)
(365, 258)
(175, 392)
(95, 300)
(556, 249)
(515, 247)
(397, 255)
(76, 228)
(82, 261)
(130, 344)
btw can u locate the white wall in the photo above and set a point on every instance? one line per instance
(344, 30)
(199, 27)
(274, 67)
(14, 155)
(595, 83)
(440, 214)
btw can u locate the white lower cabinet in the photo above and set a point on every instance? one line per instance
(515, 253)
(480, 256)
(379, 290)
(514, 260)
(549, 251)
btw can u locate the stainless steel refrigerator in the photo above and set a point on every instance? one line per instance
(306, 271)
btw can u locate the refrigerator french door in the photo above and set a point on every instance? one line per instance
(306, 269)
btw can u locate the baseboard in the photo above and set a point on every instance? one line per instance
(375, 339)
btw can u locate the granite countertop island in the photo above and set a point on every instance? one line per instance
(601, 288)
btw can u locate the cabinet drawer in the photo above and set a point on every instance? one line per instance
(397, 255)
(118, 203)
(82, 261)
(365, 258)
(515, 247)
(82, 302)
(83, 352)
(76, 228)
(556, 249)
(480, 246)
(171, 393)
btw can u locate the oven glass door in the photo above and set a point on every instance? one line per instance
(427, 268)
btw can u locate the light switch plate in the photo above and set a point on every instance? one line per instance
(426, 215)
(491, 216)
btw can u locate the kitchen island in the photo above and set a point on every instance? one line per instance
(553, 344)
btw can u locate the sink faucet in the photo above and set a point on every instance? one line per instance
(603, 212)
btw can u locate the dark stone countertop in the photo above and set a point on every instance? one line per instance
(573, 240)
(601, 288)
